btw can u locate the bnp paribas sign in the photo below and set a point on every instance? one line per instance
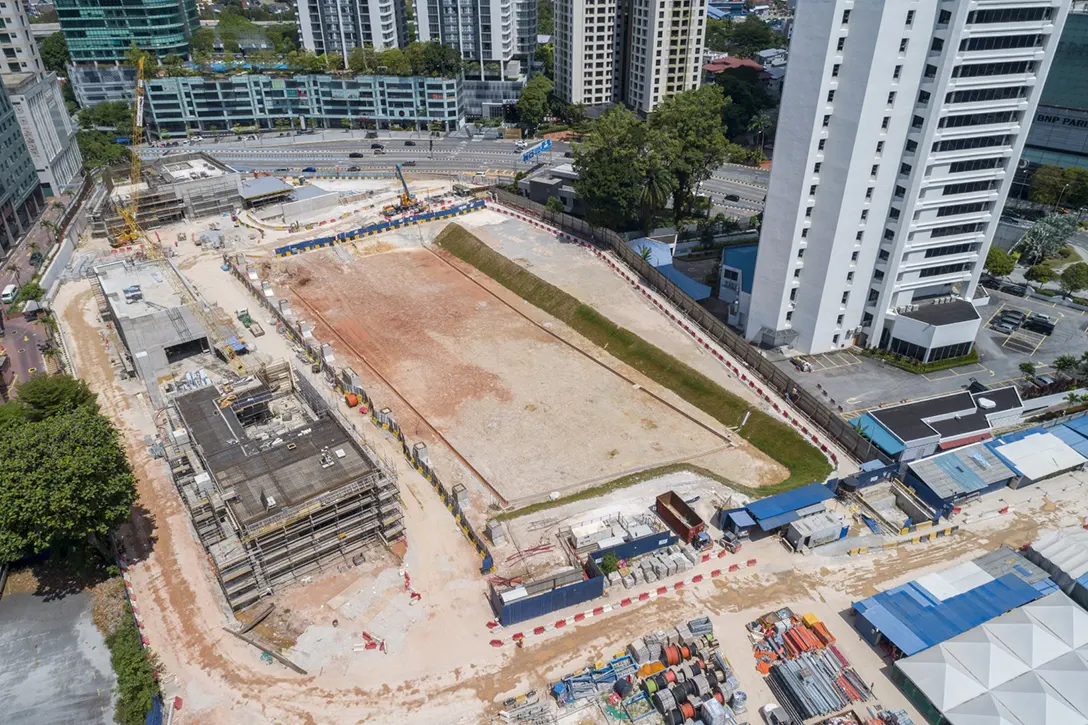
(1056, 117)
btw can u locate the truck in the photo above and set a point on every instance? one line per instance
(680, 517)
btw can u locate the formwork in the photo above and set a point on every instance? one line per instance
(275, 490)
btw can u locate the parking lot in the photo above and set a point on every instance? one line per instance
(852, 383)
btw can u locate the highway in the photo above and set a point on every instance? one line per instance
(740, 189)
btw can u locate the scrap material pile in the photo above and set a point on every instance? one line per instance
(667, 562)
(879, 717)
(804, 669)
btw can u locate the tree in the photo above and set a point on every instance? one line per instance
(44, 396)
(545, 55)
(1040, 273)
(1075, 277)
(545, 17)
(202, 40)
(362, 60)
(533, 104)
(1027, 369)
(283, 37)
(54, 52)
(656, 190)
(692, 140)
(748, 98)
(394, 62)
(134, 54)
(63, 480)
(609, 563)
(999, 263)
(1051, 184)
(554, 204)
(1046, 237)
(333, 62)
(611, 166)
(1065, 364)
(760, 124)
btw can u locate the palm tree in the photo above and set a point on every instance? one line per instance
(1065, 364)
(1073, 398)
(656, 190)
(646, 252)
(760, 123)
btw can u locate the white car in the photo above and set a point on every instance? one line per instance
(519, 145)
(774, 715)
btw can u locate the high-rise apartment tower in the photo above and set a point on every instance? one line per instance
(486, 32)
(337, 26)
(901, 125)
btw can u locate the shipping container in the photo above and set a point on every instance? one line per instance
(521, 603)
(637, 547)
(680, 517)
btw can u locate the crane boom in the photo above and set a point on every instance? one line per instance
(406, 197)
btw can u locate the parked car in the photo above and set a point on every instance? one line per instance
(409, 163)
(1042, 317)
(376, 146)
(1040, 326)
(409, 143)
(1004, 328)
(355, 155)
(1013, 315)
(353, 168)
(310, 170)
(1043, 381)
(9, 294)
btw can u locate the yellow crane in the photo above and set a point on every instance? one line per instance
(133, 233)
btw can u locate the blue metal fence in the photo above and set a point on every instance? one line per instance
(154, 715)
(635, 547)
(546, 602)
(350, 236)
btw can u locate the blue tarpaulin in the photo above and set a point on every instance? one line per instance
(912, 619)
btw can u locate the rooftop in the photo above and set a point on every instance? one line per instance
(262, 187)
(948, 416)
(309, 191)
(155, 293)
(724, 64)
(944, 313)
(196, 168)
(962, 471)
(260, 477)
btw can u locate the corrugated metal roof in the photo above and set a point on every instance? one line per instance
(1040, 456)
(962, 471)
(691, 288)
(789, 502)
(1071, 438)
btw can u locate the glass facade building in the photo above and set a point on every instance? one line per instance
(208, 104)
(21, 199)
(104, 30)
(1059, 131)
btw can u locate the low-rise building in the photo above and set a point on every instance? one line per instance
(95, 83)
(556, 181)
(738, 271)
(219, 103)
(47, 129)
(487, 99)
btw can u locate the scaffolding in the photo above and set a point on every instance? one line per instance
(221, 445)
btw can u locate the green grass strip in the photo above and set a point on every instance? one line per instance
(804, 462)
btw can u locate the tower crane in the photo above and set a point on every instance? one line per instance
(133, 233)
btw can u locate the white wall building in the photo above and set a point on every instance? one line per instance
(47, 129)
(337, 26)
(903, 122)
(485, 31)
(637, 52)
(17, 44)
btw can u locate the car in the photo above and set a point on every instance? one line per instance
(732, 197)
(1043, 381)
(774, 715)
(1039, 326)
(353, 168)
(409, 163)
(1043, 317)
(355, 155)
(519, 145)
(372, 134)
(409, 143)
(310, 170)
(1004, 328)
(281, 169)
(9, 294)
(376, 146)
(1013, 316)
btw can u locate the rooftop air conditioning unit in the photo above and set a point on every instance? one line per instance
(986, 404)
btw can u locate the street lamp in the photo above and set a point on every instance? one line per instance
(1059, 201)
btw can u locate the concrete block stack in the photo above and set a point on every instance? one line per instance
(639, 651)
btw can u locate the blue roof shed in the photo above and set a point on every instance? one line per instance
(743, 259)
(774, 511)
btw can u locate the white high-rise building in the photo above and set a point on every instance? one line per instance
(901, 125)
(637, 52)
(17, 42)
(338, 26)
(487, 32)
(47, 128)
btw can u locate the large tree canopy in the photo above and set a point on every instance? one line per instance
(44, 396)
(63, 480)
(1053, 184)
(612, 163)
(54, 52)
(533, 103)
(1047, 237)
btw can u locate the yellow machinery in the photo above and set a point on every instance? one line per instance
(134, 234)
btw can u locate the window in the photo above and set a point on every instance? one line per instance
(911, 146)
(897, 72)
(866, 319)
(789, 315)
(835, 70)
(800, 253)
(804, 233)
(956, 229)
(1009, 15)
(858, 236)
(951, 249)
(838, 320)
(845, 17)
(842, 44)
(879, 147)
(854, 257)
(845, 297)
(827, 120)
(797, 273)
(793, 295)
(910, 18)
(975, 70)
(977, 165)
(923, 98)
(830, 96)
(943, 17)
(974, 142)
(955, 209)
(1000, 42)
(816, 167)
(849, 276)
(891, 98)
(903, 45)
(873, 295)
(821, 144)
(889, 234)
(884, 124)
(931, 71)
(944, 269)
(812, 190)
(873, 171)
(893, 213)
(864, 215)
(869, 194)
(884, 255)
(979, 119)
(936, 46)
(969, 188)
(899, 192)
(905, 169)
(987, 94)
(808, 212)
(917, 122)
